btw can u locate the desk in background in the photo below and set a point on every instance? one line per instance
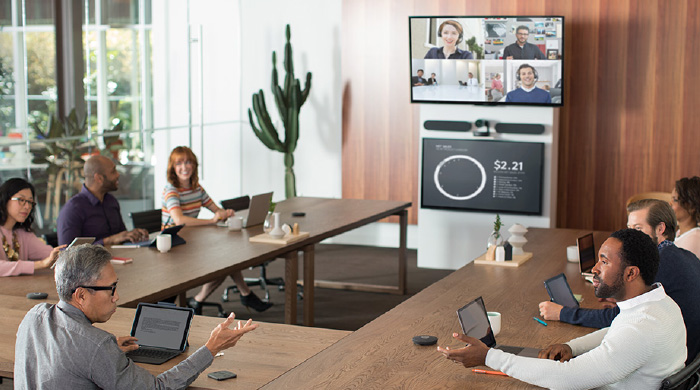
(381, 355)
(214, 252)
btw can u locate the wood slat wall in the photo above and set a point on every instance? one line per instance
(631, 110)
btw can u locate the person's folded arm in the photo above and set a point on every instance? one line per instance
(592, 318)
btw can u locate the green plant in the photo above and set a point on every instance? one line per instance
(474, 47)
(497, 226)
(289, 100)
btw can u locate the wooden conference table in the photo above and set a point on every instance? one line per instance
(381, 355)
(214, 252)
(257, 358)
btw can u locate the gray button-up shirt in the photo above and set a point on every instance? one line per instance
(58, 348)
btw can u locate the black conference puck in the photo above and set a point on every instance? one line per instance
(424, 340)
(37, 295)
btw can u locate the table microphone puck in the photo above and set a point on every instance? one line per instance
(424, 340)
(37, 295)
(298, 214)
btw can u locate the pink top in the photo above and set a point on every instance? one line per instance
(31, 248)
(496, 84)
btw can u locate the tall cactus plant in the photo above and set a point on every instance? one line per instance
(289, 100)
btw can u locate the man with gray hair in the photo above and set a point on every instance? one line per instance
(58, 348)
(679, 273)
(94, 212)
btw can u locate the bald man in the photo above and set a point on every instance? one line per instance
(94, 212)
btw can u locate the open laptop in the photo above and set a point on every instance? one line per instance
(586, 255)
(153, 237)
(256, 212)
(475, 323)
(161, 332)
(560, 292)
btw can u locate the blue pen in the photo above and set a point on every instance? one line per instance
(540, 321)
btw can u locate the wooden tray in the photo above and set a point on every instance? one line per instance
(287, 239)
(516, 262)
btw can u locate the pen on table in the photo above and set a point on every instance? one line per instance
(478, 371)
(540, 321)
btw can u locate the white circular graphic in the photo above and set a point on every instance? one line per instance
(460, 157)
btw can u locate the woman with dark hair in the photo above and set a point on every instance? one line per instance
(23, 252)
(685, 200)
(183, 197)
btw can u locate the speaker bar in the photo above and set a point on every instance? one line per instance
(519, 128)
(448, 125)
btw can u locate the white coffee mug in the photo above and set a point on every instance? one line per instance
(163, 242)
(495, 320)
(234, 223)
(572, 253)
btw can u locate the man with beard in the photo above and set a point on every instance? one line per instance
(679, 273)
(644, 345)
(521, 49)
(94, 212)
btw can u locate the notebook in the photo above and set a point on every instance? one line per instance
(586, 255)
(161, 332)
(475, 323)
(560, 292)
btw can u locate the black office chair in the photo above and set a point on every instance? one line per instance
(151, 221)
(685, 379)
(263, 281)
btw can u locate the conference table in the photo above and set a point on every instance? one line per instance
(381, 354)
(257, 358)
(213, 252)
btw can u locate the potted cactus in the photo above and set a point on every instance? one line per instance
(289, 98)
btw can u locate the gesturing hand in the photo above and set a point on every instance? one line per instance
(223, 338)
(474, 354)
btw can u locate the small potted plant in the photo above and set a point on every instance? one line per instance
(496, 239)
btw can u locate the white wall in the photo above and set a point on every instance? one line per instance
(316, 40)
(238, 40)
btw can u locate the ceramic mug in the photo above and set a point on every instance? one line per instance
(495, 320)
(572, 253)
(234, 223)
(163, 242)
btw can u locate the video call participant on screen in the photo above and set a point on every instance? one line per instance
(59, 348)
(644, 345)
(685, 200)
(496, 87)
(418, 80)
(94, 212)
(521, 49)
(432, 80)
(528, 92)
(452, 34)
(679, 273)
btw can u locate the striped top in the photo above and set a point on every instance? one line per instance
(188, 200)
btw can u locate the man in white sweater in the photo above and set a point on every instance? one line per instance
(645, 343)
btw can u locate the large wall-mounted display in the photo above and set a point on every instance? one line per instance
(487, 60)
(481, 175)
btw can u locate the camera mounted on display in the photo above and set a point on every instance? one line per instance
(481, 128)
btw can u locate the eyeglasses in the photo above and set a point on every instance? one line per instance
(24, 202)
(99, 288)
(523, 34)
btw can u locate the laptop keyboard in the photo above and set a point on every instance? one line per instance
(151, 353)
(513, 350)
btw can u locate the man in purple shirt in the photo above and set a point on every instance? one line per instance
(94, 212)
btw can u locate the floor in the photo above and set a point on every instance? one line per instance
(336, 309)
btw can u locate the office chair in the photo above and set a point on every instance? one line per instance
(263, 281)
(151, 221)
(686, 379)
(665, 196)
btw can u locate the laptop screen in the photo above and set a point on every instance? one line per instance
(560, 292)
(475, 322)
(162, 326)
(586, 252)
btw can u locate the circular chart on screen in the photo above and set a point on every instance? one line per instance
(460, 177)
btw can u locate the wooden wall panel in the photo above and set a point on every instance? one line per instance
(630, 114)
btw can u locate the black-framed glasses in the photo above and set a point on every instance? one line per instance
(113, 287)
(24, 202)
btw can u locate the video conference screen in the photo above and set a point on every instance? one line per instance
(480, 175)
(487, 60)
